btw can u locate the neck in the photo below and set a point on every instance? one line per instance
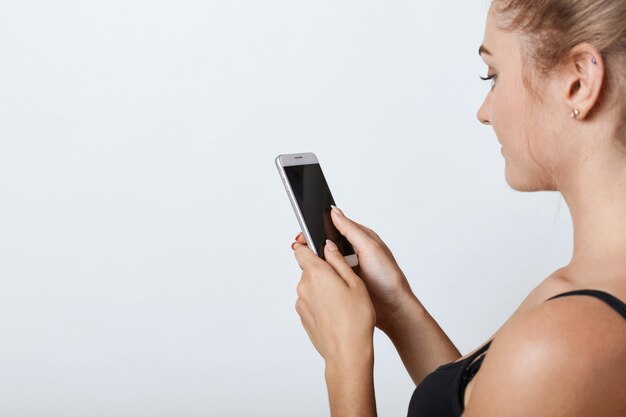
(595, 193)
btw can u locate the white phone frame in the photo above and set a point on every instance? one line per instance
(307, 158)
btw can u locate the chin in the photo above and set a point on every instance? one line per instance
(528, 183)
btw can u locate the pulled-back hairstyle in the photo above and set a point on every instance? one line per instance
(555, 27)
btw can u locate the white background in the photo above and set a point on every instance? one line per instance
(145, 267)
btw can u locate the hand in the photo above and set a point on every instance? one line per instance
(334, 305)
(386, 283)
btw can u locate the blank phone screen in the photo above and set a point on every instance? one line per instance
(314, 199)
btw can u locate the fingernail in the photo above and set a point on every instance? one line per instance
(339, 212)
(298, 235)
(331, 245)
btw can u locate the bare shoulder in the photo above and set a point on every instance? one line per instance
(564, 357)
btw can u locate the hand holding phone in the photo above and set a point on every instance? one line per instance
(387, 285)
(311, 200)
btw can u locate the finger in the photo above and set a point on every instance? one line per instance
(339, 264)
(301, 239)
(354, 232)
(371, 233)
(293, 245)
(306, 257)
(374, 236)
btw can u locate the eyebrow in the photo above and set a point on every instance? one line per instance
(483, 50)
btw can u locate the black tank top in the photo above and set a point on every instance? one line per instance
(441, 393)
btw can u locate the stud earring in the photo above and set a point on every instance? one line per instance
(575, 113)
(593, 61)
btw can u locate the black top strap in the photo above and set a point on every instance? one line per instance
(474, 365)
(611, 300)
(482, 349)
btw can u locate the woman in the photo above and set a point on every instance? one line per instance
(558, 106)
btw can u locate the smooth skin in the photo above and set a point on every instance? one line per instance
(564, 357)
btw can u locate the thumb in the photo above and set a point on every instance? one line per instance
(356, 235)
(339, 264)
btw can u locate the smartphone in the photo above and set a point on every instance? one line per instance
(311, 200)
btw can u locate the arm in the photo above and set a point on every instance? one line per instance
(351, 385)
(422, 346)
(338, 315)
(419, 340)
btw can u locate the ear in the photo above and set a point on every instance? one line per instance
(584, 76)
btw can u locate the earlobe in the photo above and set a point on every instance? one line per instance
(585, 73)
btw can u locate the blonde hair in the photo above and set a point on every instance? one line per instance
(555, 27)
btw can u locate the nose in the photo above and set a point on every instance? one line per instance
(483, 111)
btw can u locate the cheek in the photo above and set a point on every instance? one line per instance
(508, 115)
(539, 128)
(519, 123)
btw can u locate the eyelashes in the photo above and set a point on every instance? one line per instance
(492, 78)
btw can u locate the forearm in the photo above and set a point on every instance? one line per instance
(420, 342)
(350, 383)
